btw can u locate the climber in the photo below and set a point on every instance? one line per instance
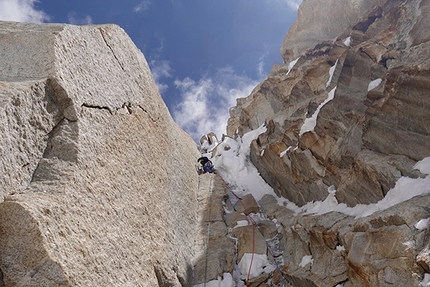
(206, 164)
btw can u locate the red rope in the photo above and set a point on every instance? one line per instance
(254, 224)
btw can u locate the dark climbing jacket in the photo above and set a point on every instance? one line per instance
(206, 164)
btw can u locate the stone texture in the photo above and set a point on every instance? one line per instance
(379, 250)
(249, 239)
(364, 139)
(98, 182)
(316, 23)
(215, 252)
(247, 205)
(268, 229)
(232, 218)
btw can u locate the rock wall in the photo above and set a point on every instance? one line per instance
(366, 93)
(322, 20)
(384, 249)
(352, 112)
(99, 183)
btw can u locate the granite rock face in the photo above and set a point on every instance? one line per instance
(352, 112)
(349, 109)
(98, 184)
(322, 20)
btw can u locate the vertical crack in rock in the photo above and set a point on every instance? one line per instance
(102, 33)
(149, 114)
(1, 279)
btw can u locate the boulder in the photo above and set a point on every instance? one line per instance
(247, 205)
(232, 218)
(268, 229)
(249, 240)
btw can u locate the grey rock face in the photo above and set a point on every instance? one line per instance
(98, 182)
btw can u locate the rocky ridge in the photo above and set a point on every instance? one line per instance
(348, 109)
(365, 93)
(90, 194)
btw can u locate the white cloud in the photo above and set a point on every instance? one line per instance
(205, 103)
(21, 11)
(75, 19)
(142, 6)
(292, 4)
(260, 66)
(159, 70)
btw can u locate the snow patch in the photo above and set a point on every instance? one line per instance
(209, 146)
(321, 207)
(331, 72)
(405, 189)
(260, 264)
(373, 84)
(310, 123)
(306, 260)
(340, 248)
(426, 280)
(226, 281)
(292, 64)
(234, 165)
(422, 224)
(347, 42)
(284, 152)
(241, 223)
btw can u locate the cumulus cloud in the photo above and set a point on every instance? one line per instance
(75, 19)
(161, 69)
(142, 6)
(206, 102)
(21, 11)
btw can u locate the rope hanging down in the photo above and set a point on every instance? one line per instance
(254, 224)
(209, 229)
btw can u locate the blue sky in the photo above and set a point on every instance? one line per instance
(203, 53)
